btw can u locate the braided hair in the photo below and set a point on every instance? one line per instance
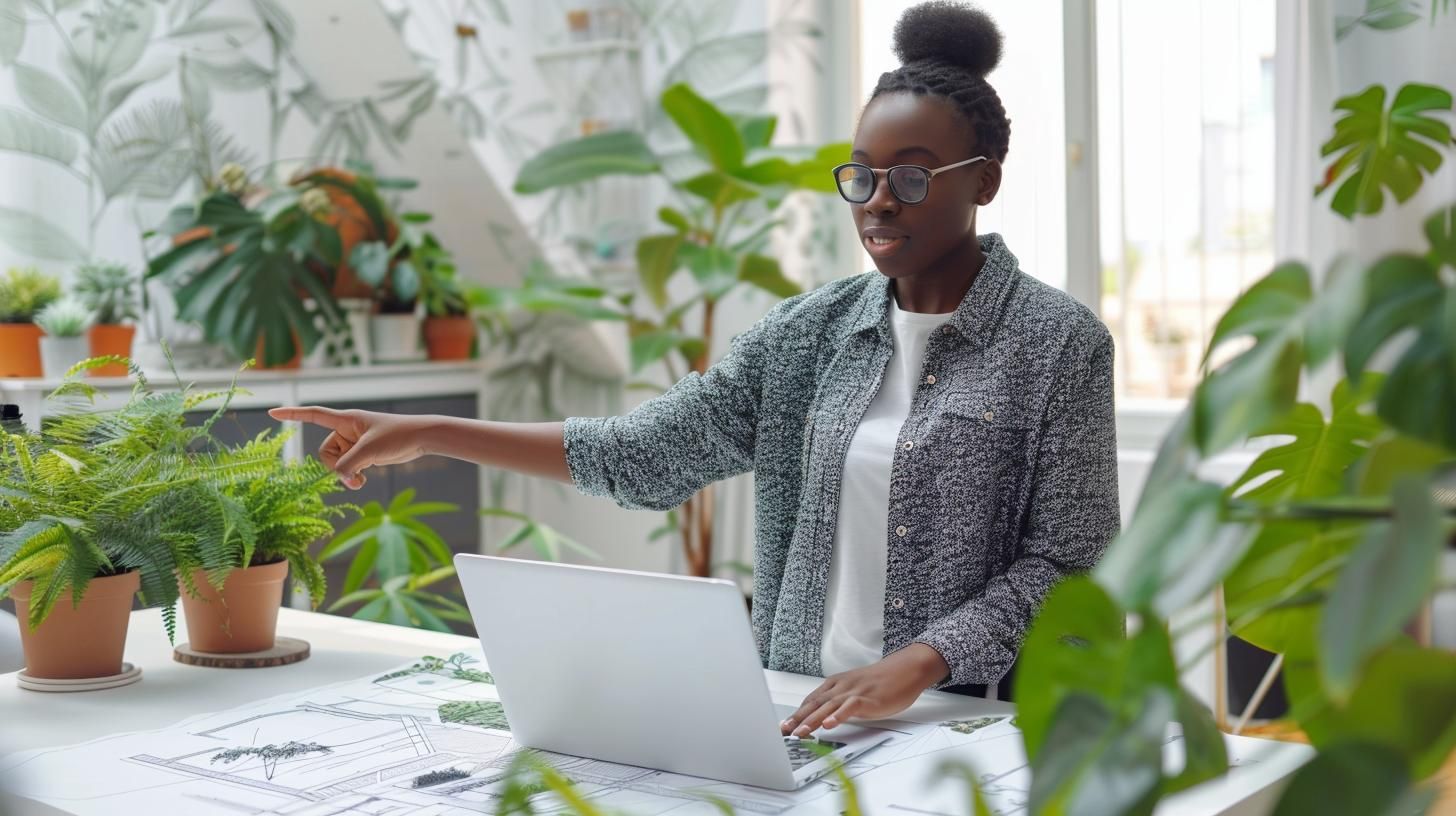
(946, 49)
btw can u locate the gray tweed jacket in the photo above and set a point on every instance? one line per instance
(1005, 479)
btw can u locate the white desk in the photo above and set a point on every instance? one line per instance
(343, 649)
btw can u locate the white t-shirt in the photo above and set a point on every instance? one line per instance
(854, 612)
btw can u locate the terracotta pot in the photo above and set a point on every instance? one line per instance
(295, 362)
(20, 350)
(353, 226)
(243, 618)
(77, 642)
(449, 338)
(111, 339)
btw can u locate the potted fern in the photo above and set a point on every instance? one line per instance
(109, 291)
(64, 344)
(63, 548)
(275, 513)
(23, 293)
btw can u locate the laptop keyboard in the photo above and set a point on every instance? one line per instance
(801, 751)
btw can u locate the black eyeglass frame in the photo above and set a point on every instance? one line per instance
(875, 179)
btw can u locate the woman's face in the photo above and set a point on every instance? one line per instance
(906, 128)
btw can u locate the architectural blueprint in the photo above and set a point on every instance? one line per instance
(432, 738)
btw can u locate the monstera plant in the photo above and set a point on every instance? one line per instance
(243, 267)
(717, 237)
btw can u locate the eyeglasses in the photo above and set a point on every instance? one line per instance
(909, 183)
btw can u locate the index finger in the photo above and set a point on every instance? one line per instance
(316, 414)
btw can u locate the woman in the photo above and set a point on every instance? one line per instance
(932, 443)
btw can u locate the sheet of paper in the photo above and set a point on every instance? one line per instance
(432, 738)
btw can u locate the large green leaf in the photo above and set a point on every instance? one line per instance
(766, 274)
(22, 132)
(1441, 232)
(1407, 292)
(1314, 462)
(1405, 700)
(601, 154)
(1354, 777)
(656, 261)
(46, 95)
(649, 347)
(1381, 587)
(756, 130)
(32, 235)
(1174, 550)
(1384, 148)
(1273, 596)
(713, 135)
(1103, 763)
(1248, 391)
(12, 30)
(714, 268)
(719, 189)
(1077, 643)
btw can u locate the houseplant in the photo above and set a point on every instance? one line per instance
(281, 512)
(23, 293)
(65, 323)
(450, 331)
(717, 237)
(403, 556)
(109, 290)
(241, 269)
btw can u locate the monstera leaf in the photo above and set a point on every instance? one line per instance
(1384, 148)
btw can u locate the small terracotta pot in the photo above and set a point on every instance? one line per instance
(77, 642)
(449, 338)
(20, 350)
(111, 339)
(243, 618)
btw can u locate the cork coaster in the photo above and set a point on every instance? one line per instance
(285, 651)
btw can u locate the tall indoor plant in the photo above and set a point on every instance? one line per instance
(1326, 549)
(717, 234)
(23, 293)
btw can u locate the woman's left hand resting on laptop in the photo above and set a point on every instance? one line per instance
(873, 692)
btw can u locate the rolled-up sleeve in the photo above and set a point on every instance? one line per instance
(700, 431)
(1072, 517)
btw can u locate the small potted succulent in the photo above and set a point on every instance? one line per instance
(233, 607)
(109, 291)
(65, 323)
(23, 293)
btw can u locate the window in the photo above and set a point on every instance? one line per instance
(1186, 174)
(1185, 160)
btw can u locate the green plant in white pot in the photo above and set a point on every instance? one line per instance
(65, 323)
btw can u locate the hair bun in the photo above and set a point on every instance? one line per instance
(949, 32)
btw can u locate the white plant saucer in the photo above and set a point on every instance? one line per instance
(129, 674)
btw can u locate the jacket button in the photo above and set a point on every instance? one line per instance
(908, 445)
(898, 603)
(930, 380)
(902, 530)
(990, 416)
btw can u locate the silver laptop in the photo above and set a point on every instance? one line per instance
(656, 671)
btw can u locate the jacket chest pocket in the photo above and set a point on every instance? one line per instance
(979, 483)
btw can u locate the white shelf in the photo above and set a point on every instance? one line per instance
(270, 388)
